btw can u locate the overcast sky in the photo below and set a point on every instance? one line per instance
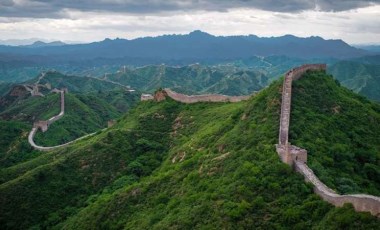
(356, 22)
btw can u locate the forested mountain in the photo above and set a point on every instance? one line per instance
(84, 114)
(341, 132)
(167, 165)
(90, 104)
(362, 78)
(193, 79)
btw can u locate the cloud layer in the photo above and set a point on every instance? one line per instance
(61, 9)
(92, 20)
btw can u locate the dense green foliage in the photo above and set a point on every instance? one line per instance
(340, 130)
(78, 84)
(174, 166)
(14, 146)
(62, 181)
(121, 100)
(83, 115)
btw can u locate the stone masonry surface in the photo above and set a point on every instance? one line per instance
(204, 98)
(297, 157)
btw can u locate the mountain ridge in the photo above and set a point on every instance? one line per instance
(205, 165)
(198, 45)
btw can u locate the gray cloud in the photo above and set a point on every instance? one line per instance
(59, 8)
(6, 3)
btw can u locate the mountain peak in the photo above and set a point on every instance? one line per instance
(199, 33)
(37, 44)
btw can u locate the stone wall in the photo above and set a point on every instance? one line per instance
(361, 202)
(60, 115)
(291, 153)
(204, 98)
(297, 157)
(44, 125)
(299, 71)
(293, 74)
(44, 148)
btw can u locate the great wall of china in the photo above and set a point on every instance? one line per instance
(188, 99)
(204, 98)
(44, 125)
(297, 157)
(289, 154)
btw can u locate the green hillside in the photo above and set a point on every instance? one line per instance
(84, 113)
(169, 165)
(77, 84)
(340, 130)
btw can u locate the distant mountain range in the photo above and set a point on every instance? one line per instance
(196, 46)
(30, 41)
(45, 44)
(371, 48)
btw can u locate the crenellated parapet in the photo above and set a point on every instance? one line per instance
(291, 153)
(203, 98)
(43, 125)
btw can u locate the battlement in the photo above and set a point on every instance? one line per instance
(43, 125)
(291, 153)
(297, 72)
(203, 98)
